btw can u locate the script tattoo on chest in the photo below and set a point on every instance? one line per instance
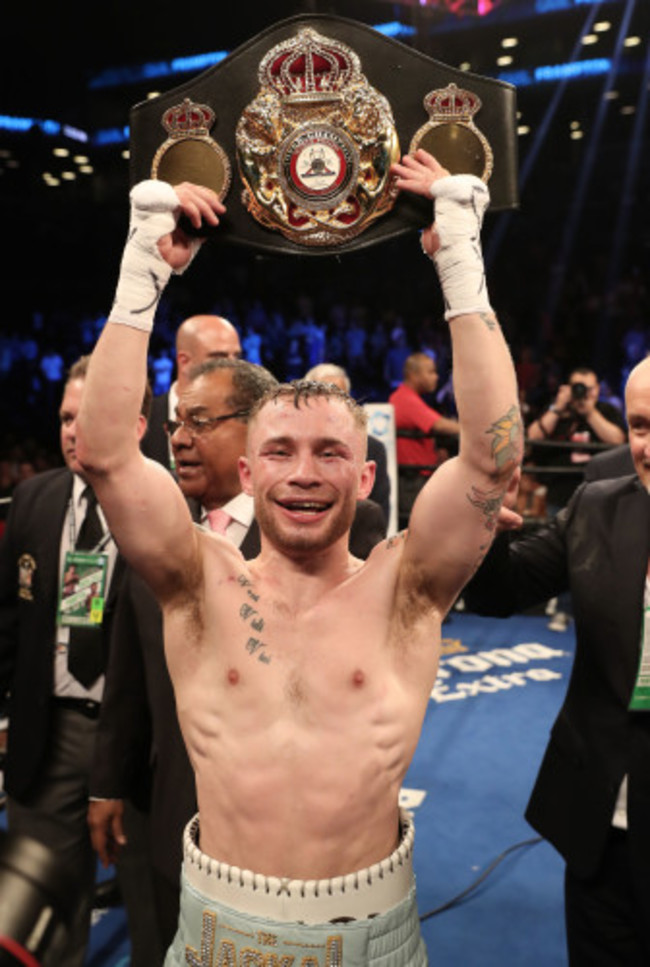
(254, 621)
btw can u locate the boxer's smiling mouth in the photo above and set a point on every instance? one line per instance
(305, 506)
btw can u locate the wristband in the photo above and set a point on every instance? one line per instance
(460, 203)
(143, 271)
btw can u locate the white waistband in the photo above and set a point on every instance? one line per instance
(358, 895)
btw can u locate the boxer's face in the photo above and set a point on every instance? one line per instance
(68, 412)
(306, 468)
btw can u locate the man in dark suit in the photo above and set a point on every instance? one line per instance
(616, 462)
(52, 659)
(138, 722)
(591, 799)
(198, 338)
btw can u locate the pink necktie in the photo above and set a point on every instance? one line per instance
(219, 520)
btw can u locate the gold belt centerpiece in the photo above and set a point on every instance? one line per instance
(315, 146)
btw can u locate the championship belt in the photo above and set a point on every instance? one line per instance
(316, 145)
(296, 131)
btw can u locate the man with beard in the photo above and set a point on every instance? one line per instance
(302, 719)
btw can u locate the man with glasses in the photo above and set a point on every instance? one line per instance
(302, 677)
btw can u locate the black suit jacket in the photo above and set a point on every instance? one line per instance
(139, 741)
(28, 620)
(616, 462)
(155, 443)
(598, 547)
(380, 492)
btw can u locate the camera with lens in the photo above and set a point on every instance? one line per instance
(37, 900)
(579, 390)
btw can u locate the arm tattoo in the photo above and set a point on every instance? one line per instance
(506, 439)
(490, 321)
(506, 447)
(489, 503)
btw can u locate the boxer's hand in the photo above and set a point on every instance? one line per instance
(201, 206)
(418, 172)
(454, 240)
(156, 246)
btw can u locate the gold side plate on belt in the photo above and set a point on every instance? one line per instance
(190, 154)
(450, 134)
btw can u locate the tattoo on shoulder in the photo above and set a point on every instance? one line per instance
(506, 439)
(396, 539)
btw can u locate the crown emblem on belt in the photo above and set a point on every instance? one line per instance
(452, 103)
(309, 69)
(316, 144)
(188, 120)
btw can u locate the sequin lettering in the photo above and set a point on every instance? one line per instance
(227, 954)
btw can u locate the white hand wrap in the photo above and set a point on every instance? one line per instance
(460, 203)
(144, 273)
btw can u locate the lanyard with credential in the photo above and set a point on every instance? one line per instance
(82, 588)
(72, 532)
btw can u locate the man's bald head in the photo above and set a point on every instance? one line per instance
(200, 338)
(637, 406)
(639, 378)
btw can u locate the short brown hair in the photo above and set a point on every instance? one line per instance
(301, 391)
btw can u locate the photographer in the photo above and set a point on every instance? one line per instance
(576, 415)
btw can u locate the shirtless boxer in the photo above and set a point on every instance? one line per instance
(302, 677)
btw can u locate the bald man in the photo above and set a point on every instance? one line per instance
(591, 799)
(198, 339)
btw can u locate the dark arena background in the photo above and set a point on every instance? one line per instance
(568, 274)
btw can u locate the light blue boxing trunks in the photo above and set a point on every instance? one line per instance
(235, 918)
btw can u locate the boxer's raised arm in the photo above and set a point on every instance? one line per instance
(145, 510)
(454, 516)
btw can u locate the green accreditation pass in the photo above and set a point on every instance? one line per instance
(640, 701)
(82, 591)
